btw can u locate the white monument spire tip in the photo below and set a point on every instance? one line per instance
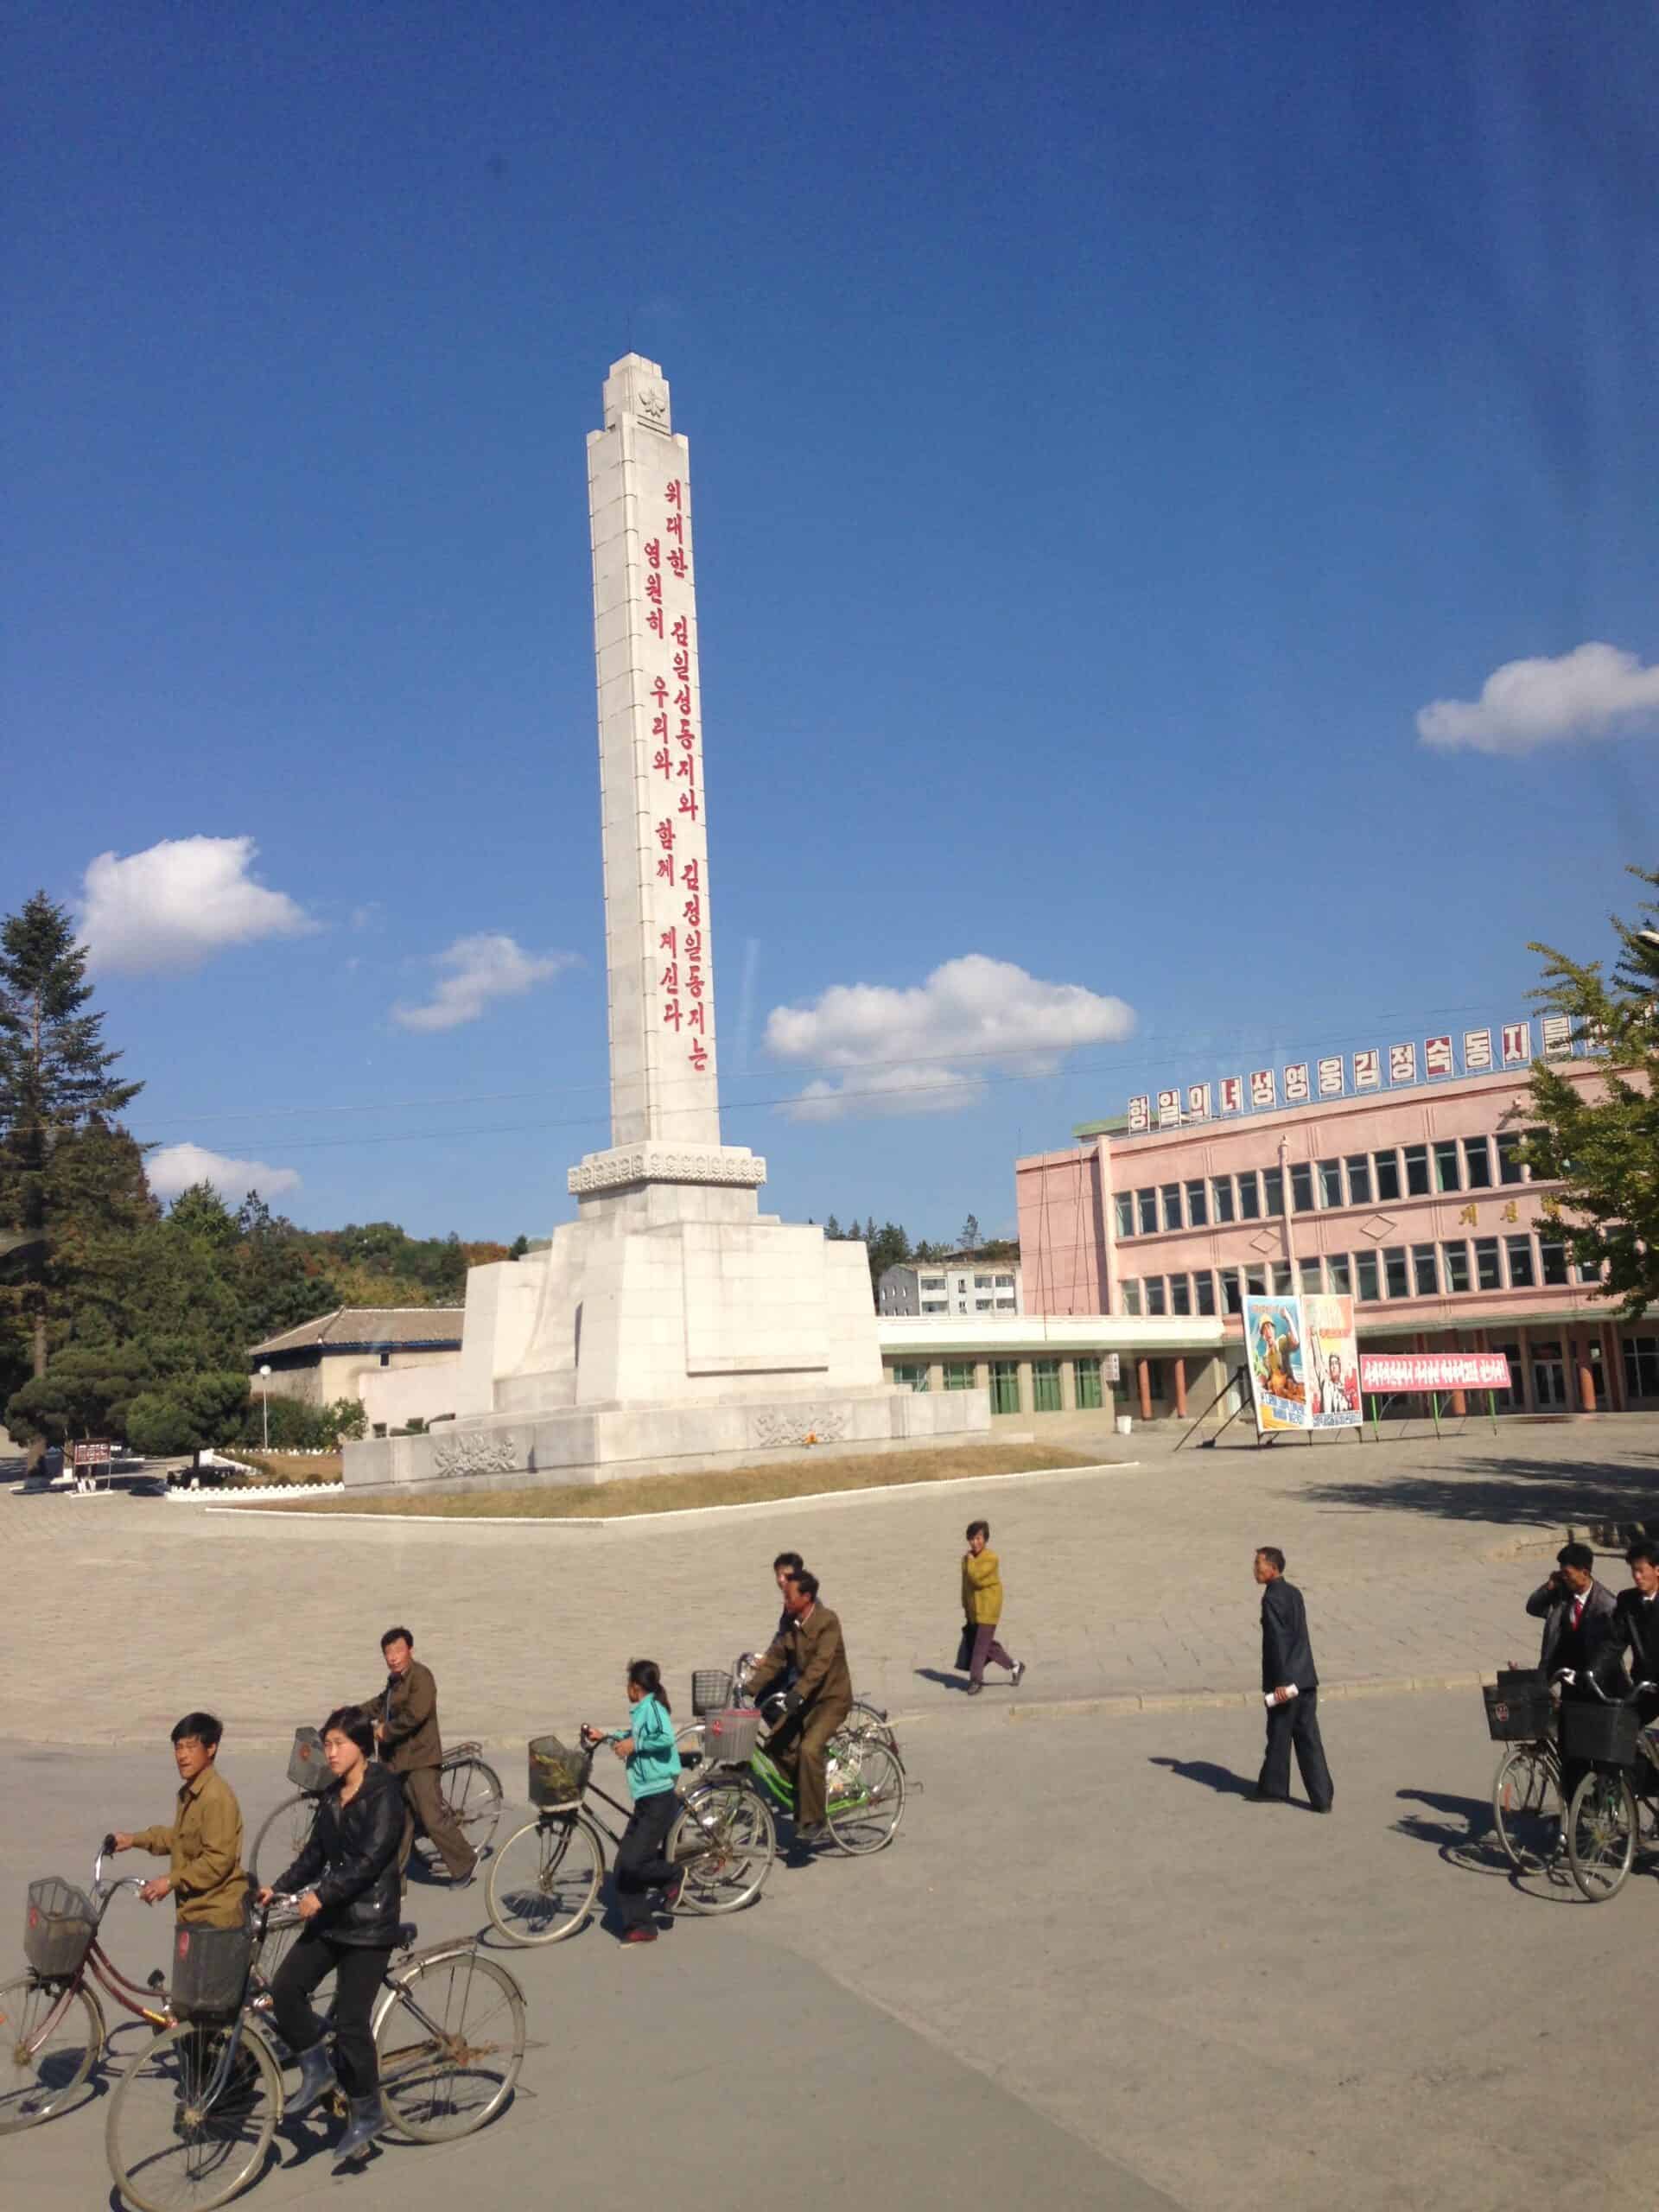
(636, 388)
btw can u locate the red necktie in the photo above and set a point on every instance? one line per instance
(1578, 1612)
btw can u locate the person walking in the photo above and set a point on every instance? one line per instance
(347, 1875)
(406, 1731)
(981, 1607)
(653, 1768)
(1290, 1690)
(820, 1700)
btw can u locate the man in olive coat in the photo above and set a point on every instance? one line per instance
(405, 1715)
(817, 1704)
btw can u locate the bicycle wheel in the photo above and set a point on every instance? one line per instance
(1601, 1835)
(1527, 1810)
(688, 1742)
(449, 2035)
(50, 2039)
(544, 1881)
(170, 2148)
(726, 1838)
(283, 1836)
(868, 1724)
(473, 1794)
(865, 1800)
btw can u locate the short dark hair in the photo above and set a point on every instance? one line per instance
(792, 1561)
(805, 1582)
(979, 1528)
(1576, 1555)
(206, 1728)
(351, 1720)
(1644, 1548)
(399, 1636)
(1273, 1555)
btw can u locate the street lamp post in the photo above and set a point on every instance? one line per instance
(264, 1401)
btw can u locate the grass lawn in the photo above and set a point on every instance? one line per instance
(295, 1467)
(738, 1486)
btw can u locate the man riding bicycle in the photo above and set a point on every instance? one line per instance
(815, 1708)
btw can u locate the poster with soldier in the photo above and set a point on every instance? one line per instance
(1272, 1332)
(1331, 1361)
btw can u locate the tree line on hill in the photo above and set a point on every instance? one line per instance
(890, 1247)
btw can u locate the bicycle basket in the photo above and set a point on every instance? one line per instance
(729, 1737)
(558, 1775)
(1517, 1709)
(1605, 1732)
(711, 1691)
(58, 1931)
(210, 1971)
(306, 1767)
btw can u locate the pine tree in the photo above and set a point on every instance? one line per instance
(971, 1235)
(57, 1085)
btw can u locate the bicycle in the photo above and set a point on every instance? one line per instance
(1527, 1812)
(545, 1879)
(52, 2026)
(472, 1791)
(1604, 1821)
(191, 2123)
(713, 1691)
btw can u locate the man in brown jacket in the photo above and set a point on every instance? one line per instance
(820, 1700)
(203, 1847)
(405, 1715)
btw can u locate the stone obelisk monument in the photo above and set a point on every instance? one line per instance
(671, 1324)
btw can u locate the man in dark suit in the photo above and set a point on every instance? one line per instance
(1581, 1621)
(1291, 1687)
(1635, 1623)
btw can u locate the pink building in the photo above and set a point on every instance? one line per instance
(1413, 1200)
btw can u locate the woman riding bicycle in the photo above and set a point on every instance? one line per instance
(348, 1876)
(653, 1768)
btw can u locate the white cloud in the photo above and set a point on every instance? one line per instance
(474, 970)
(1596, 690)
(928, 1049)
(176, 904)
(176, 1166)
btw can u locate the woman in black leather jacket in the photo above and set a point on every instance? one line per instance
(347, 1876)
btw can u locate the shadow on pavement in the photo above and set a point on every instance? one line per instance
(945, 1681)
(1221, 1779)
(1527, 1492)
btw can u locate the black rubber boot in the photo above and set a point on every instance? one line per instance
(368, 2117)
(316, 2080)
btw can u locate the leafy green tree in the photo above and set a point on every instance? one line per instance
(969, 1240)
(190, 1414)
(343, 1421)
(519, 1246)
(832, 1229)
(1604, 1149)
(888, 1247)
(200, 1213)
(86, 1392)
(58, 1088)
(281, 1278)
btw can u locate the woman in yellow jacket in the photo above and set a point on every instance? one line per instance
(982, 1604)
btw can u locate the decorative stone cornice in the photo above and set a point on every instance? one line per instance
(731, 1165)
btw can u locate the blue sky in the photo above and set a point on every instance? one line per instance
(1110, 429)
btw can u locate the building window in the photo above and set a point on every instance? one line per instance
(935, 1306)
(1388, 1175)
(1551, 1260)
(1255, 1282)
(981, 1282)
(1330, 1182)
(933, 1283)
(1313, 1276)
(1274, 1181)
(958, 1374)
(1005, 1282)
(1232, 1294)
(1221, 1190)
(1393, 1271)
(1301, 1188)
(1171, 1198)
(1086, 1374)
(1124, 1213)
(1130, 1293)
(1284, 1282)
(1197, 1210)
(1477, 1163)
(1512, 1353)
(1455, 1260)
(1422, 1271)
(1180, 1294)
(910, 1375)
(1342, 1275)
(1045, 1386)
(1520, 1248)
(1146, 1212)
(1205, 1287)
(1007, 1306)
(1359, 1178)
(1416, 1171)
(1154, 1289)
(386, 1359)
(1365, 1274)
(1154, 1378)
(1448, 1172)
(1249, 1197)
(984, 1305)
(1642, 1367)
(1005, 1386)
(1489, 1275)
(1509, 1169)
(1589, 1270)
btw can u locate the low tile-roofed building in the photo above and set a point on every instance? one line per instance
(335, 1356)
(370, 1328)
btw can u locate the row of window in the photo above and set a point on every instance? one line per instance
(1359, 1178)
(1046, 1392)
(1482, 1263)
(980, 1283)
(1008, 1304)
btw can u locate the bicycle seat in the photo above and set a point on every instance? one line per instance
(407, 1932)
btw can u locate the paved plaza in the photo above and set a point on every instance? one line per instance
(1089, 1972)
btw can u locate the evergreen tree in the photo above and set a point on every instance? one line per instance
(832, 1229)
(971, 1235)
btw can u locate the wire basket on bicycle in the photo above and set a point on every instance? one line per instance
(558, 1775)
(1604, 1733)
(711, 1691)
(729, 1737)
(210, 1971)
(308, 1770)
(1518, 1708)
(58, 1925)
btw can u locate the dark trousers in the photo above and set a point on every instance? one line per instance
(640, 1866)
(424, 1795)
(1296, 1722)
(985, 1651)
(358, 1974)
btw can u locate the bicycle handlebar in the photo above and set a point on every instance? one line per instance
(1575, 1674)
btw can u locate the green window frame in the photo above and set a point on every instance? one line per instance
(958, 1374)
(1045, 1386)
(910, 1375)
(1087, 1373)
(1005, 1386)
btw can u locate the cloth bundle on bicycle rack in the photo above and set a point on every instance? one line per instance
(59, 1926)
(557, 1775)
(1518, 1707)
(729, 1737)
(306, 1767)
(1607, 1734)
(210, 1971)
(711, 1691)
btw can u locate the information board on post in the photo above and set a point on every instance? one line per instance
(1386, 1374)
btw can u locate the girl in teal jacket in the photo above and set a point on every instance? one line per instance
(653, 1767)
